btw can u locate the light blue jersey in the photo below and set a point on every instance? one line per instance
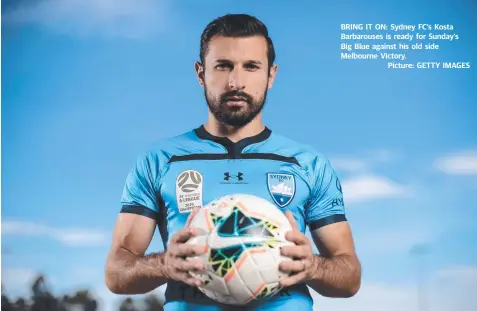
(195, 168)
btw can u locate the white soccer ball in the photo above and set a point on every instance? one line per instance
(242, 234)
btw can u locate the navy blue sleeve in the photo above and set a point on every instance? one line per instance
(326, 205)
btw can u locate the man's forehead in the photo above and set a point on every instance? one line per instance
(250, 48)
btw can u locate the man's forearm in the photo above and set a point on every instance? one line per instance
(339, 276)
(130, 274)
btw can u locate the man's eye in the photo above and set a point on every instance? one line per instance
(223, 66)
(251, 66)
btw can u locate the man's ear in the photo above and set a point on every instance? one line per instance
(200, 70)
(272, 74)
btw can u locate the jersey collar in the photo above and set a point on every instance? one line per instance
(237, 147)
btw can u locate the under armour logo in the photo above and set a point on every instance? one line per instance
(227, 176)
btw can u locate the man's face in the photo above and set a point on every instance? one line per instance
(236, 78)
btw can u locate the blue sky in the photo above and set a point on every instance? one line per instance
(86, 88)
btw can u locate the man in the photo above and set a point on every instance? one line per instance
(232, 152)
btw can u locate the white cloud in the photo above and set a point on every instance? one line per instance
(371, 297)
(18, 277)
(447, 290)
(454, 289)
(69, 236)
(82, 237)
(462, 272)
(23, 228)
(369, 187)
(348, 164)
(459, 163)
(396, 241)
(382, 155)
(110, 302)
(17, 281)
(363, 163)
(130, 18)
(86, 273)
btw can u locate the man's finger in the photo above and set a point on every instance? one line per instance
(291, 251)
(182, 236)
(291, 280)
(297, 237)
(191, 216)
(188, 250)
(291, 219)
(187, 278)
(192, 265)
(292, 266)
(192, 281)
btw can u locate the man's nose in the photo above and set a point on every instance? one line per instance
(236, 79)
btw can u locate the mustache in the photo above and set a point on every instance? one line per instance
(228, 96)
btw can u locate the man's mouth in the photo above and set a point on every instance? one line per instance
(236, 98)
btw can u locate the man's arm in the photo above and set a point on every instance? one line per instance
(337, 270)
(128, 270)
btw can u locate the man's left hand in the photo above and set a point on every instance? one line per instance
(303, 265)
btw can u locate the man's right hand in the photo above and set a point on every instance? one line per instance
(176, 266)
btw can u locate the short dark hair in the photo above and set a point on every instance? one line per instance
(236, 25)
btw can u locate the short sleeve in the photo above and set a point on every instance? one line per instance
(139, 193)
(326, 205)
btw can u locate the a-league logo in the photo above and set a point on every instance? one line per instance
(189, 190)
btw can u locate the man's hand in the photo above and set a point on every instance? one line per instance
(303, 264)
(176, 266)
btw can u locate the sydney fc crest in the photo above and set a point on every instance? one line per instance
(281, 188)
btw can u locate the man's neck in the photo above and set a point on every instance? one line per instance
(235, 134)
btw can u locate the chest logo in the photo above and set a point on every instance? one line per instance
(189, 190)
(227, 176)
(236, 178)
(281, 187)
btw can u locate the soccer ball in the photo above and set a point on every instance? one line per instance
(242, 234)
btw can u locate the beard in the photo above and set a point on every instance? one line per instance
(235, 116)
